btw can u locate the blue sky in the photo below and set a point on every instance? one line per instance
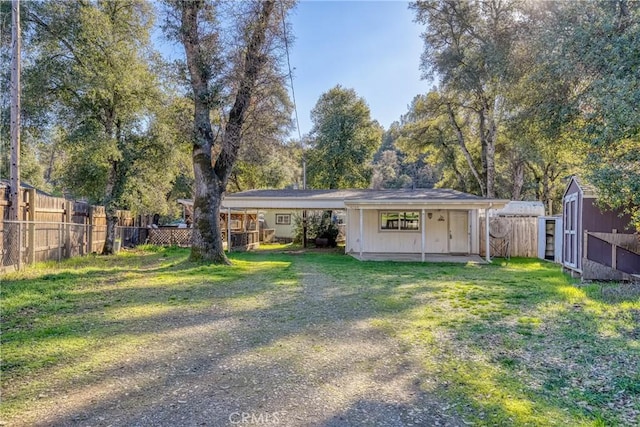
(372, 47)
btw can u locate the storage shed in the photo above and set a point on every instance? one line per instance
(597, 243)
(550, 238)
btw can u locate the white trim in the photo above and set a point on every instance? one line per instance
(487, 242)
(423, 235)
(228, 230)
(469, 238)
(574, 221)
(285, 216)
(361, 231)
(399, 229)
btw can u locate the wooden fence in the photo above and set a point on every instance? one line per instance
(53, 228)
(520, 239)
(240, 240)
(610, 256)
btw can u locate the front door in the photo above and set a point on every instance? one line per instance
(436, 232)
(459, 232)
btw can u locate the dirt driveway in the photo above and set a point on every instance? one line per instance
(302, 356)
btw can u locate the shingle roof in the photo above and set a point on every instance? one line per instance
(364, 194)
(588, 190)
(6, 184)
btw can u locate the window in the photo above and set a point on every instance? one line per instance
(283, 219)
(400, 221)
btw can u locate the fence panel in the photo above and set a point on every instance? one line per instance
(598, 250)
(170, 236)
(132, 236)
(627, 261)
(521, 238)
(26, 242)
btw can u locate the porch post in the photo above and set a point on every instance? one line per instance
(486, 234)
(361, 232)
(228, 230)
(423, 232)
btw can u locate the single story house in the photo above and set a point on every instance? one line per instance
(420, 224)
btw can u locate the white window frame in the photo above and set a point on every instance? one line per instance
(399, 228)
(283, 219)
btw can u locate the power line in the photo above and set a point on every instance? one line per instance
(295, 107)
(293, 92)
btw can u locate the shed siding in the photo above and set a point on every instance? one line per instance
(595, 219)
(573, 188)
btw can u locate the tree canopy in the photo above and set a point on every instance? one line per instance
(342, 141)
(528, 93)
(92, 84)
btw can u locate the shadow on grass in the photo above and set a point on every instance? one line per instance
(492, 363)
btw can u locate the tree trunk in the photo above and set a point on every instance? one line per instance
(110, 189)
(488, 133)
(212, 164)
(517, 176)
(112, 192)
(465, 151)
(112, 221)
(206, 240)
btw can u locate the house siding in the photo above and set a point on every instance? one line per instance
(385, 241)
(281, 230)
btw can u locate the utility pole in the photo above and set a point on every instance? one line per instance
(14, 212)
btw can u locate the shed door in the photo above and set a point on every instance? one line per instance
(570, 252)
(459, 232)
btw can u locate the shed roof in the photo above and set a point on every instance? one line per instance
(587, 189)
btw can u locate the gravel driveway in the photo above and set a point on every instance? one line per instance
(302, 356)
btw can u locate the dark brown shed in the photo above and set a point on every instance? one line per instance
(598, 243)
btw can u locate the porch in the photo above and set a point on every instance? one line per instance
(417, 257)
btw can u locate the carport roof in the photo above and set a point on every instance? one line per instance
(367, 199)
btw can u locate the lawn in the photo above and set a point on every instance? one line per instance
(515, 343)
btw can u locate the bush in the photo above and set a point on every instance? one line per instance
(320, 224)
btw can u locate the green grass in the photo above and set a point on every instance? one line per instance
(513, 343)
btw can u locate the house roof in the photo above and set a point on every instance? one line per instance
(6, 184)
(365, 198)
